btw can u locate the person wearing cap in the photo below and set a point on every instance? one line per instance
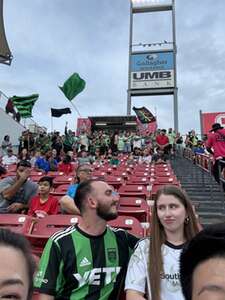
(16, 192)
(202, 265)
(9, 158)
(6, 143)
(216, 141)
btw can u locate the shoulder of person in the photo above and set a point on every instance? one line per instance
(31, 184)
(143, 244)
(129, 238)
(8, 180)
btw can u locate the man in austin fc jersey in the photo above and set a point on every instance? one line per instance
(87, 261)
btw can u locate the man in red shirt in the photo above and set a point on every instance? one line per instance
(162, 141)
(216, 141)
(43, 204)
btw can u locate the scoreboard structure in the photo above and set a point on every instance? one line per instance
(153, 72)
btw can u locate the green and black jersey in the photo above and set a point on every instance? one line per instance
(76, 266)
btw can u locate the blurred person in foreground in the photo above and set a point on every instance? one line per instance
(16, 266)
(202, 265)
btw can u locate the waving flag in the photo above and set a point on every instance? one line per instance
(25, 104)
(144, 115)
(58, 112)
(73, 86)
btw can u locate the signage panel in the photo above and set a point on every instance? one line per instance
(152, 70)
(209, 118)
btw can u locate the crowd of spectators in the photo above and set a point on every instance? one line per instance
(74, 155)
(53, 152)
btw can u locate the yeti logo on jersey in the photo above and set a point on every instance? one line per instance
(93, 277)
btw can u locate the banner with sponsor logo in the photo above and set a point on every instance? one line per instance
(152, 70)
(209, 118)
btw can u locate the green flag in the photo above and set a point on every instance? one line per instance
(73, 86)
(25, 104)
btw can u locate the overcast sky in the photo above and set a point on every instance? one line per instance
(52, 39)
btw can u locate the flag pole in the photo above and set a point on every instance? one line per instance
(51, 123)
(74, 106)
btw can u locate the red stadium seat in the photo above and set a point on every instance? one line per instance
(63, 179)
(130, 224)
(16, 222)
(11, 168)
(134, 207)
(166, 180)
(138, 180)
(99, 174)
(115, 181)
(119, 173)
(61, 188)
(36, 178)
(55, 173)
(43, 228)
(132, 190)
(141, 173)
(36, 173)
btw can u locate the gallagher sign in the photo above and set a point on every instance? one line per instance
(152, 70)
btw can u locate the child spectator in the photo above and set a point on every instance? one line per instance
(43, 204)
(159, 157)
(146, 158)
(65, 166)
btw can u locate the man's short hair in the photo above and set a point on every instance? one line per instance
(207, 244)
(24, 163)
(48, 179)
(84, 188)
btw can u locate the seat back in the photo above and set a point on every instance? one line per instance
(43, 228)
(16, 222)
(128, 223)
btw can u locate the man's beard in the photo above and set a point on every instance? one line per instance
(104, 212)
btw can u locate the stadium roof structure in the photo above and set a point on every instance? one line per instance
(5, 53)
(113, 122)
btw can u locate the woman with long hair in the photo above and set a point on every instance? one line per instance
(153, 271)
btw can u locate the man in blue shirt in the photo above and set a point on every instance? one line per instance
(43, 162)
(83, 173)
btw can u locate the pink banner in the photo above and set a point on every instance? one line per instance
(83, 125)
(209, 118)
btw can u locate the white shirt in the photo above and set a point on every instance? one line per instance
(9, 160)
(137, 278)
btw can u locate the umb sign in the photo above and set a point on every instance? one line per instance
(152, 70)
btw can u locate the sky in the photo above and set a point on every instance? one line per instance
(52, 39)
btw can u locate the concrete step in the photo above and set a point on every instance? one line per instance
(202, 189)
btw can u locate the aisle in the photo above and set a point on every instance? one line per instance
(202, 189)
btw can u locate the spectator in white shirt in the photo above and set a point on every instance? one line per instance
(9, 158)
